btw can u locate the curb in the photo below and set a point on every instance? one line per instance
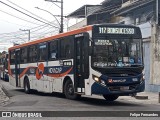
(141, 97)
(3, 96)
(5, 92)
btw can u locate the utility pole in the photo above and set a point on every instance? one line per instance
(61, 7)
(157, 32)
(157, 11)
(61, 31)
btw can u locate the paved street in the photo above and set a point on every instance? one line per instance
(107, 47)
(19, 101)
(3, 98)
(42, 101)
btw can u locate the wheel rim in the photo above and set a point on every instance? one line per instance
(26, 88)
(70, 89)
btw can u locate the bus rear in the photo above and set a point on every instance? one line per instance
(116, 61)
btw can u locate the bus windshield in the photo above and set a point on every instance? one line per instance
(117, 53)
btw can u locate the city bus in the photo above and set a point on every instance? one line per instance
(101, 59)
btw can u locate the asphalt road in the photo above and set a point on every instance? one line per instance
(36, 101)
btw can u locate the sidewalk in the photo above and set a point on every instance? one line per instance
(153, 98)
(3, 97)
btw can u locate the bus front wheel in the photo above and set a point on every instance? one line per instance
(110, 97)
(69, 90)
(26, 86)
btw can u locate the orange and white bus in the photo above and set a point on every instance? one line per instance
(104, 59)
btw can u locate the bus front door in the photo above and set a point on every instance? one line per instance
(17, 67)
(81, 62)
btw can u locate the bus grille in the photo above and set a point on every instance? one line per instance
(122, 88)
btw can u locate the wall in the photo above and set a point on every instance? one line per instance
(146, 57)
(155, 60)
(145, 29)
(151, 68)
(78, 25)
(127, 20)
(146, 35)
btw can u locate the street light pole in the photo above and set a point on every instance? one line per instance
(29, 32)
(50, 14)
(61, 26)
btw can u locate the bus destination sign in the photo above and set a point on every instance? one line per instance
(109, 30)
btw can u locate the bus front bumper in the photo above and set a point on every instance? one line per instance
(117, 90)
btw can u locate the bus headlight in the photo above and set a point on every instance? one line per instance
(95, 78)
(143, 75)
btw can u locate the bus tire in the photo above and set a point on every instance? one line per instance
(69, 90)
(26, 86)
(110, 97)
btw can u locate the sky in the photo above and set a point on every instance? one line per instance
(14, 26)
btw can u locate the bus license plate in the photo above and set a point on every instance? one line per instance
(124, 88)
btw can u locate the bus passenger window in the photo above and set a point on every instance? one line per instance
(32, 53)
(53, 51)
(23, 55)
(66, 48)
(53, 54)
(67, 51)
(42, 52)
(12, 58)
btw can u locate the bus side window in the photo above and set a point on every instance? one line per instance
(42, 52)
(53, 50)
(33, 53)
(66, 48)
(68, 51)
(12, 57)
(23, 54)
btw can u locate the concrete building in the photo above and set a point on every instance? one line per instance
(143, 13)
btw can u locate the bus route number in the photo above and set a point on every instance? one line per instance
(108, 30)
(102, 30)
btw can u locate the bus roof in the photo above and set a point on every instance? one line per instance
(84, 29)
(73, 32)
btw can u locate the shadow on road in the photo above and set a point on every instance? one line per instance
(103, 102)
(82, 100)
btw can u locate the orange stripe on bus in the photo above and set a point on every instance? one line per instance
(25, 70)
(84, 29)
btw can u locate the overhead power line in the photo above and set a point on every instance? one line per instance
(27, 11)
(37, 28)
(27, 14)
(18, 17)
(37, 36)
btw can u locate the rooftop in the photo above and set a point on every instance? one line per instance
(113, 2)
(132, 6)
(84, 11)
